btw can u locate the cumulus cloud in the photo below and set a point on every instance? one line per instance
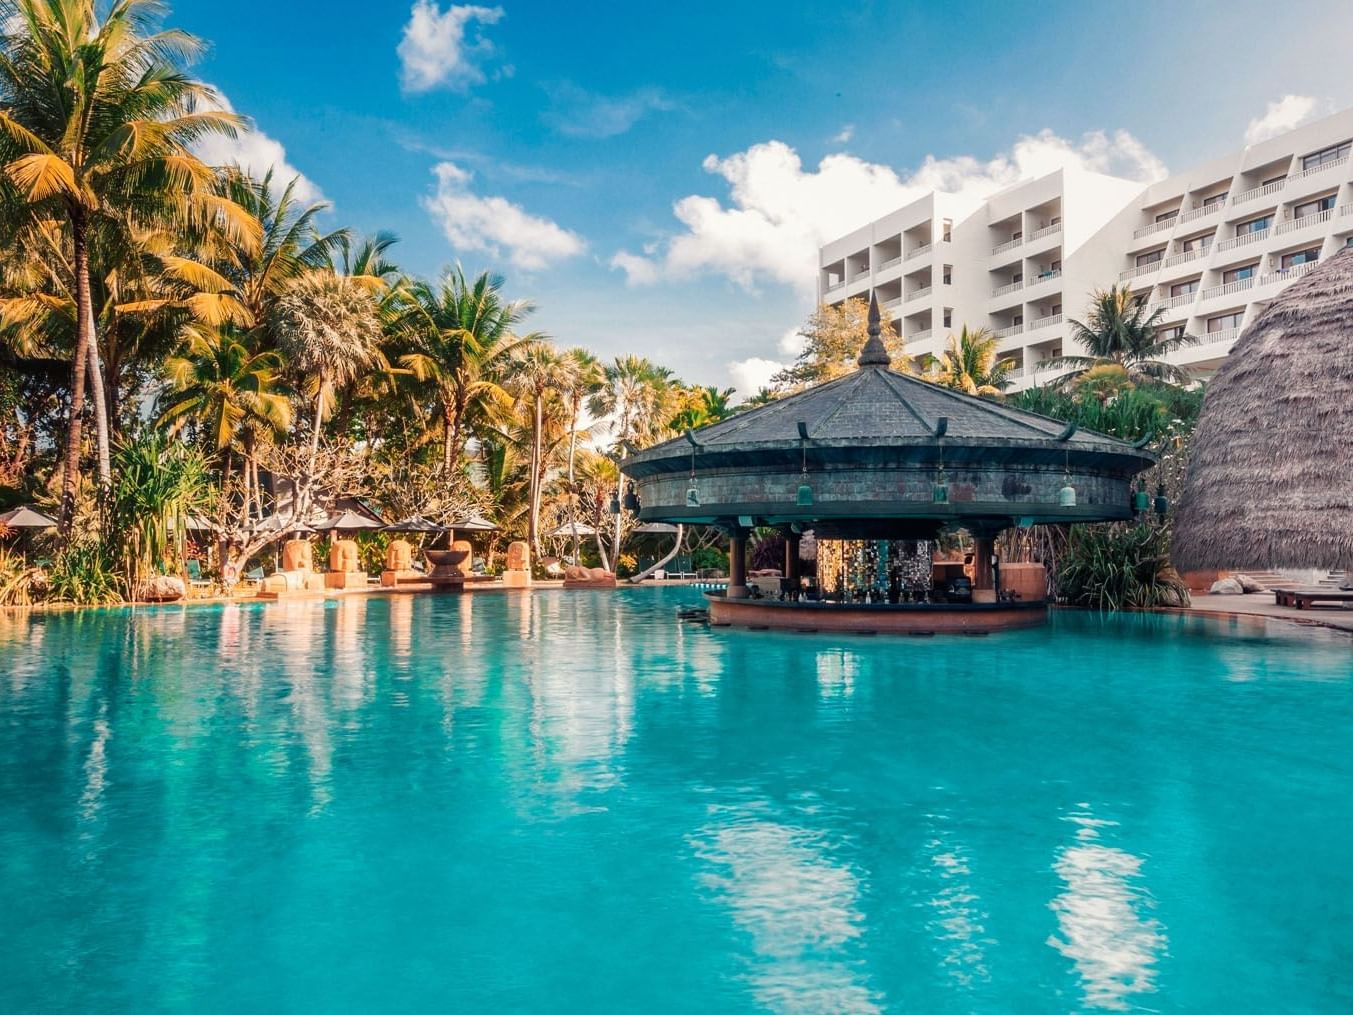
(638, 270)
(844, 135)
(751, 375)
(445, 48)
(1280, 117)
(494, 225)
(578, 113)
(777, 213)
(256, 153)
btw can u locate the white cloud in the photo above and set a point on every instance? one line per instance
(844, 135)
(494, 225)
(751, 375)
(578, 113)
(638, 270)
(441, 48)
(256, 153)
(1280, 117)
(778, 213)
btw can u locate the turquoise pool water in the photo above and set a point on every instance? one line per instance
(571, 802)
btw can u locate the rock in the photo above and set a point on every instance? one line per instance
(1226, 587)
(1248, 584)
(164, 588)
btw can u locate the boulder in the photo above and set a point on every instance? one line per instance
(1248, 584)
(164, 588)
(1226, 587)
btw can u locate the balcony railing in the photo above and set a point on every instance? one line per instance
(1142, 269)
(918, 251)
(1320, 168)
(1239, 285)
(1051, 230)
(1243, 239)
(1185, 256)
(1046, 322)
(835, 286)
(1202, 211)
(1215, 338)
(1002, 290)
(1001, 248)
(1044, 276)
(921, 293)
(1258, 192)
(892, 262)
(1288, 225)
(891, 304)
(1154, 227)
(921, 336)
(1183, 299)
(1014, 329)
(1287, 274)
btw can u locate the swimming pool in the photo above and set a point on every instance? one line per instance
(571, 801)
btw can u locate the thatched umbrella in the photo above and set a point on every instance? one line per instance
(1270, 480)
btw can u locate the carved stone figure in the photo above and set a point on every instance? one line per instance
(399, 555)
(343, 557)
(297, 555)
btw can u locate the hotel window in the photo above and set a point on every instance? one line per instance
(1274, 179)
(1165, 334)
(1016, 235)
(1225, 322)
(948, 317)
(1323, 158)
(1240, 274)
(1214, 200)
(1253, 225)
(1056, 309)
(1313, 207)
(1017, 277)
(948, 274)
(1056, 220)
(1198, 243)
(1300, 257)
(1017, 320)
(948, 230)
(1165, 216)
(1151, 258)
(1184, 288)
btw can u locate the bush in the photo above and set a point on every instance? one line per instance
(1115, 567)
(709, 558)
(84, 574)
(20, 583)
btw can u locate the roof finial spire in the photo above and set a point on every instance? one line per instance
(874, 353)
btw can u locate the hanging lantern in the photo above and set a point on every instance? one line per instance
(1141, 500)
(939, 493)
(615, 505)
(1066, 496)
(692, 496)
(631, 502)
(1162, 502)
(804, 498)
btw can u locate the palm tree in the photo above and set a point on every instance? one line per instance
(972, 364)
(97, 120)
(1118, 331)
(582, 378)
(328, 327)
(537, 371)
(461, 333)
(701, 407)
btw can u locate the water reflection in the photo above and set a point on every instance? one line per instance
(957, 925)
(799, 907)
(1104, 918)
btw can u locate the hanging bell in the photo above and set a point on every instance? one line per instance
(615, 505)
(804, 498)
(1066, 496)
(939, 494)
(692, 496)
(1162, 502)
(631, 501)
(1141, 501)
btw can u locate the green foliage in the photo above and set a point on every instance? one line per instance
(158, 482)
(1131, 414)
(709, 558)
(1116, 567)
(20, 583)
(84, 574)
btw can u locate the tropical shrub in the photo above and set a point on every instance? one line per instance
(20, 583)
(160, 481)
(709, 558)
(84, 574)
(1116, 567)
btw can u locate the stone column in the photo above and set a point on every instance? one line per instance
(983, 546)
(793, 568)
(737, 564)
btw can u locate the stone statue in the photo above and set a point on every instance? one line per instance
(518, 557)
(297, 555)
(343, 556)
(399, 555)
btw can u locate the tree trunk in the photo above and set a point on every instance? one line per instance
(70, 481)
(537, 477)
(448, 441)
(572, 492)
(99, 392)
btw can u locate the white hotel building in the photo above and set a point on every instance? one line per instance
(1211, 245)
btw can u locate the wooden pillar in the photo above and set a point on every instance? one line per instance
(737, 565)
(793, 569)
(983, 547)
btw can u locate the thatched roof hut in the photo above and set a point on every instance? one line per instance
(1270, 482)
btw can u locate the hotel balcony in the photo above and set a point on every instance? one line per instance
(1149, 268)
(892, 304)
(1185, 256)
(1323, 167)
(1291, 225)
(1001, 248)
(1155, 227)
(1046, 322)
(1005, 290)
(1010, 332)
(892, 262)
(1239, 285)
(1194, 214)
(921, 336)
(1042, 234)
(920, 251)
(921, 293)
(1257, 192)
(1257, 236)
(1041, 277)
(1173, 302)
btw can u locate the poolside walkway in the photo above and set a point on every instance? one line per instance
(1261, 605)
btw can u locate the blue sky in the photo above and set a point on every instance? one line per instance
(653, 175)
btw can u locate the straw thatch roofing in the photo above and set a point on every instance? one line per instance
(1270, 482)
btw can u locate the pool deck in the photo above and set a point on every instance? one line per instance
(1261, 605)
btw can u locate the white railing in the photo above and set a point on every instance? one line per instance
(1288, 225)
(1239, 285)
(927, 248)
(1287, 274)
(1154, 227)
(921, 336)
(1046, 322)
(1224, 337)
(835, 286)
(1201, 211)
(892, 304)
(1243, 239)
(862, 273)
(1184, 256)
(1320, 168)
(1257, 192)
(1001, 248)
(1044, 276)
(1051, 230)
(1014, 329)
(1141, 269)
(892, 262)
(1183, 299)
(921, 293)
(1346, 209)
(1002, 290)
